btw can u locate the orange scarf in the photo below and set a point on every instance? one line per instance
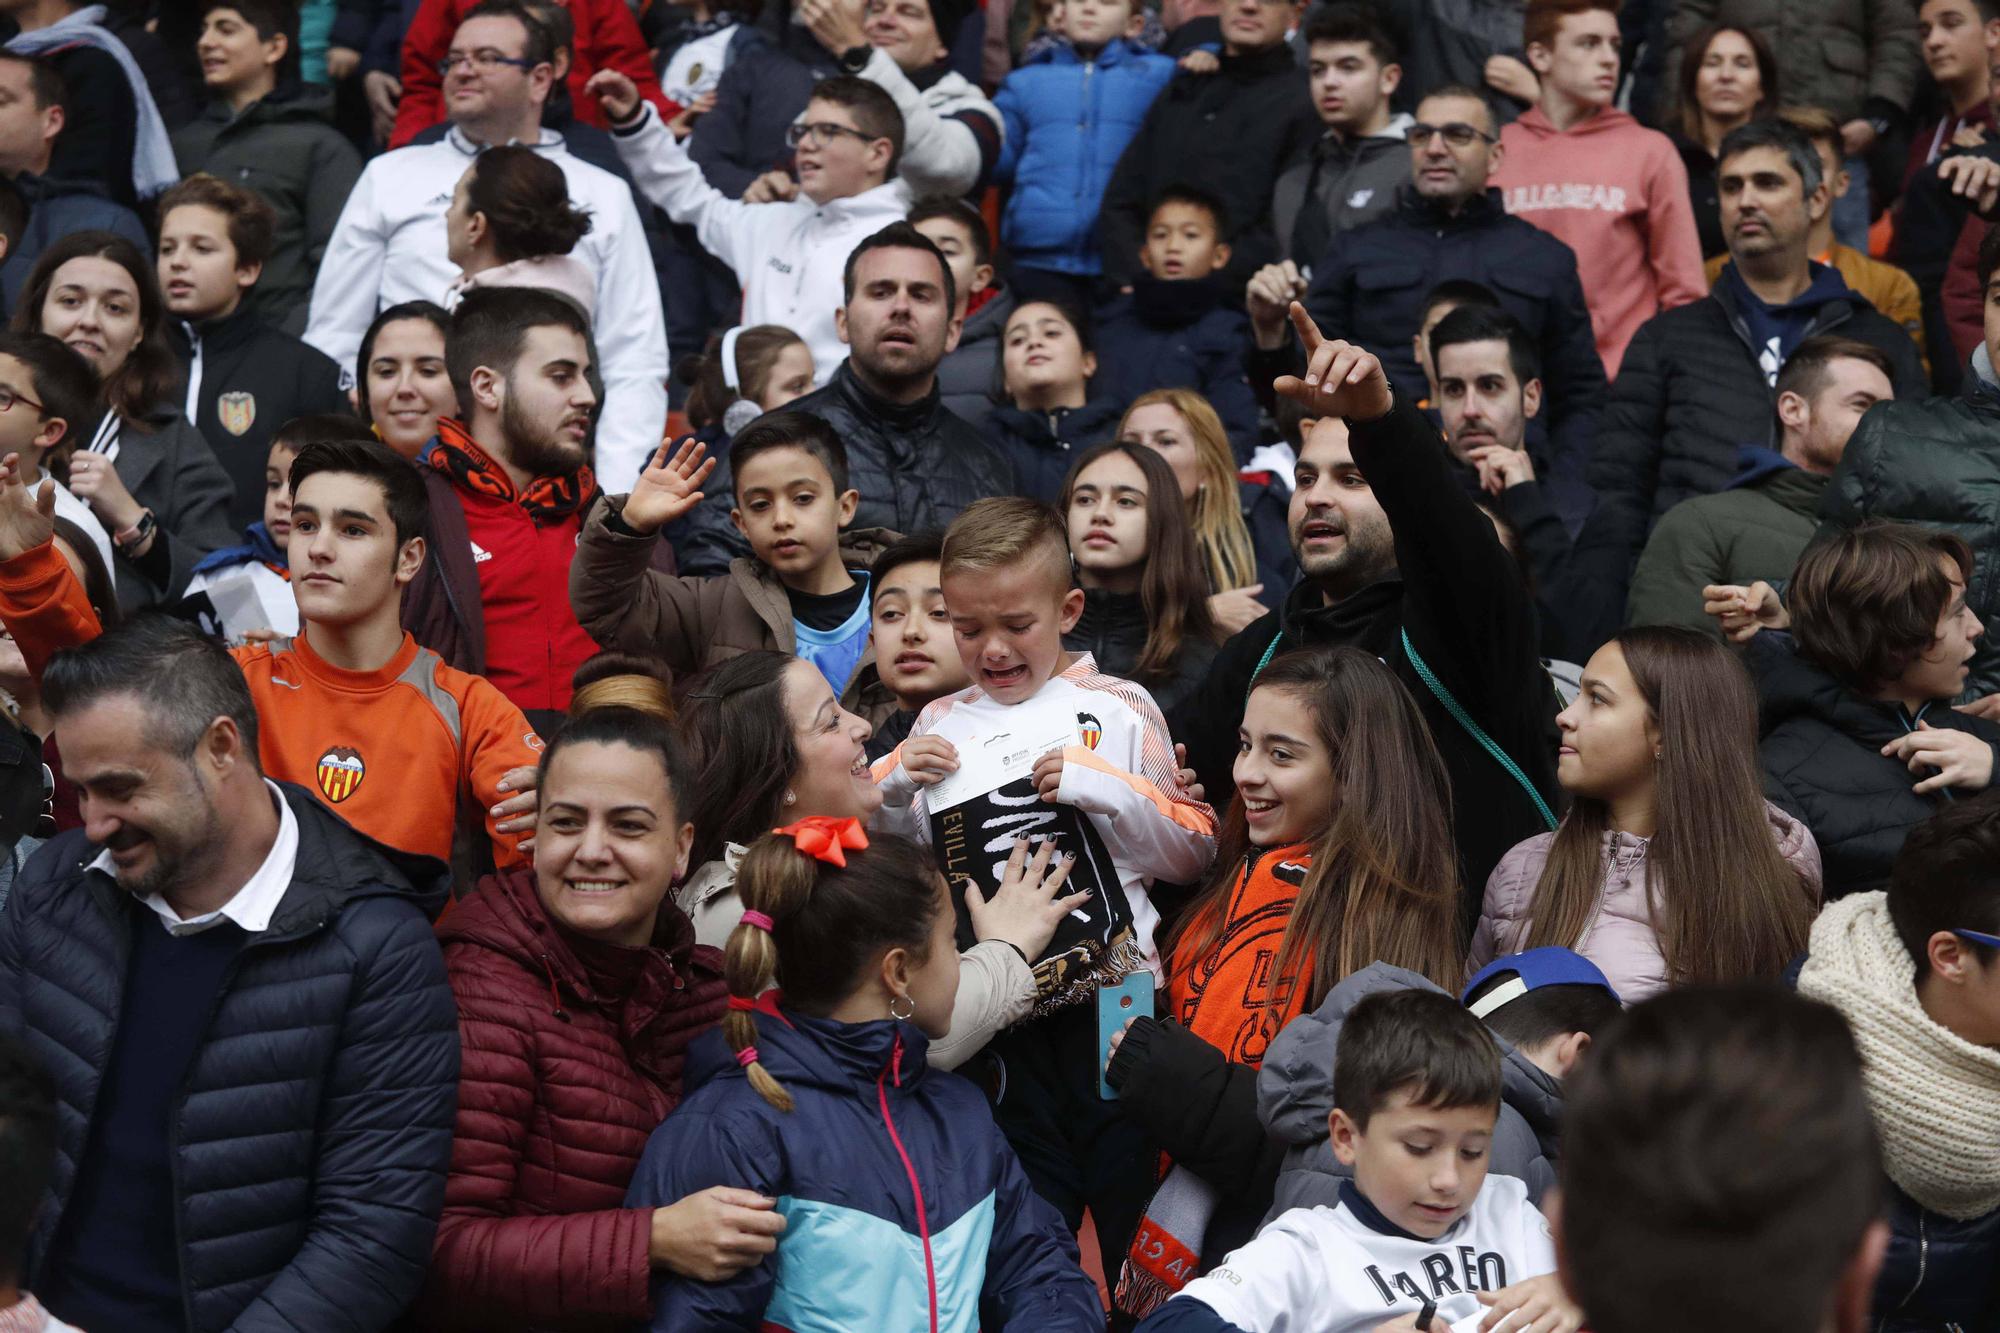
(1230, 997)
(549, 498)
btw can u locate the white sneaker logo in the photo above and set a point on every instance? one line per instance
(1360, 198)
(480, 555)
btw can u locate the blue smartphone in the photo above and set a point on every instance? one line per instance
(1116, 1004)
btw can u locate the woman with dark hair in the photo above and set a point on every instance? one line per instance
(401, 382)
(771, 745)
(1860, 741)
(511, 224)
(146, 473)
(1729, 78)
(1046, 410)
(579, 987)
(1145, 594)
(1670, 867)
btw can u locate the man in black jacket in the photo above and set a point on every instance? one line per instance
(245, 1012)
(1695, 377)
(1372, 284)
(1232, 132)
(1396, 560)
(915, 464)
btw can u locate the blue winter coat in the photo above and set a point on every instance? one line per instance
(1188, 334)
(905, 1209)
(314, 1127)
(1067, 120)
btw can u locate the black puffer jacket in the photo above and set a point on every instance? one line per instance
(916, 465)
(1113, 629)
(969, 375)
(1691, 391)
(1041, 447)
(1936, 464)
(1938, 1273)
(1823, 763)
(1234, 132)
(314, 1127)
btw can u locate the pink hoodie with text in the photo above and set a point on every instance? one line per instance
(1616, 193)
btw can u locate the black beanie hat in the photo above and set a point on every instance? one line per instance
(949, 16)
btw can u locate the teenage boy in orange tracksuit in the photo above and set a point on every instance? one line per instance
(352, 708)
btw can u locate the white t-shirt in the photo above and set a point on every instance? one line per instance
(1325, 1270)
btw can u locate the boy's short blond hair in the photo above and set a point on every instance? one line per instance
(1002, 531)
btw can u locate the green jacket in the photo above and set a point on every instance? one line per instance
(286, 149)
(1755, 530)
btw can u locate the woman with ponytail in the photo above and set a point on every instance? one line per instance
(906, 1211)
(1670, 868)
(511, 224)
(579, 987)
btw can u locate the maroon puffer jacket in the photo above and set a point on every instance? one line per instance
(572, 1056)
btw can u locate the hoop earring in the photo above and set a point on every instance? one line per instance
(909, 1008)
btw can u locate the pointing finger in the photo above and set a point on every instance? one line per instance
(1308, 331)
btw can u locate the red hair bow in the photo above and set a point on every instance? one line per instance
(825, 838)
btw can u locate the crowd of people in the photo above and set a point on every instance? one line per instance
(1242, 666)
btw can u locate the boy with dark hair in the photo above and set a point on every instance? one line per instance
(244, 377)
(965, 376)
(1720, 1172)
(915, 663)
(264, 127)
(787, 251)
(27, 1164)
(244, 591)
(52, 396)
(1181, 326)
(1915, 971)
(1090, 767)
(802, 590)
(1544, 1006)
(1360, 161)
(386, 734)
(1421, 1230)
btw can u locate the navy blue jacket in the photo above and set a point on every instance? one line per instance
(1189, 334)
(905, 1208)
(1938, 1273)
(1067, 119)
(55, 209)
(314, 1130)
(1043, 446)
(1369, 288)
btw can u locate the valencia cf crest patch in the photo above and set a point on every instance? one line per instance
(1091, 729)
(237, 411)
(340, 772)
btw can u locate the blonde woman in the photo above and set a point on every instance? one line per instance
(1238, 521)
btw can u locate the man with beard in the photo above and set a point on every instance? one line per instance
(1695, 376)
(915, 463)
(508, 488)
(244, 1011)
(1396, 560)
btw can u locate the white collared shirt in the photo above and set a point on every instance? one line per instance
(253, 904)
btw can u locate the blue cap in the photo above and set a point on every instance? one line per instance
(1547, 966)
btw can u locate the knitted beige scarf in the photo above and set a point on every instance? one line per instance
(1936, 1096)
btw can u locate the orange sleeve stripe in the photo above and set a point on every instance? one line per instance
(1189, 817)
(883, 767)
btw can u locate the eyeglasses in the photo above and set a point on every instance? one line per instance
(8, 398)
(1458, 134)
(1979, 937)
(483, 61)
(821, 132)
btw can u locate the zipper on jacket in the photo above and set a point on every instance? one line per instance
(909, 1168)
(1923, 1261)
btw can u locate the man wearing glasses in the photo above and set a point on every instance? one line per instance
(1915, 971)
(1370, 285)
(389, 245)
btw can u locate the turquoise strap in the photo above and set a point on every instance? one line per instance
(1451, 705)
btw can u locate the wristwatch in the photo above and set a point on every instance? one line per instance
(135, 536)
(855, 58)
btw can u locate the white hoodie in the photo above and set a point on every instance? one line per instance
(389, 247)
(790, 257)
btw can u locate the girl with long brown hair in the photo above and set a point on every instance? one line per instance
(1670, 867)
(1337, 852)
(1145, 608)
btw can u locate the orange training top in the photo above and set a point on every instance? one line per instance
(392, 751)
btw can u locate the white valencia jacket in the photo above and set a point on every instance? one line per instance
(389, 247)
(789, 256)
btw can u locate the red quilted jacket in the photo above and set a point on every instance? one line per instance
(572, 1056)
